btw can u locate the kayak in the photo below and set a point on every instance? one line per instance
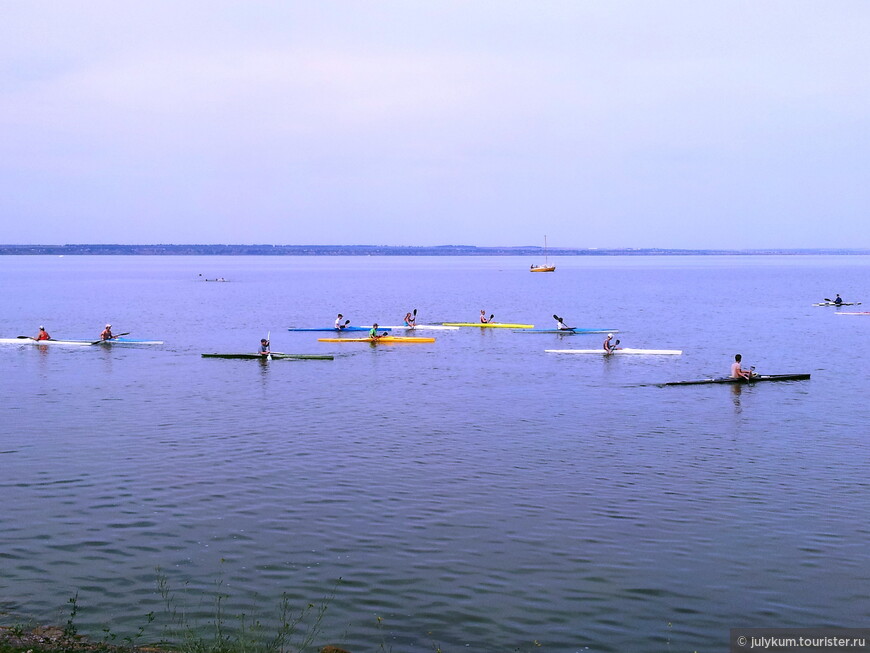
(129, 341)
(489, 325)
(840, 304)
(276, 355)
(854, 313)
(26, 340)
(386, 339)
(566, 332)
(640, 352)
(430, 327)
(753, 379)
(347, 328)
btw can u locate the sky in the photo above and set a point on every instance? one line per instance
(606, 124)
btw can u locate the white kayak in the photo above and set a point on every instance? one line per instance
(637, 352)
(24, 340)
(428, 327)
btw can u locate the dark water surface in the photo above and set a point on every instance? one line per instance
(477, 493)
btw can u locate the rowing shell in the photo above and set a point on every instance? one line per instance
(347, 328)
(489, 325)
(566, 332)
(275, 356)
(639, 352)
(386, 339)
(836, 304)
(26, 340)
(853, 313)
(753, 379)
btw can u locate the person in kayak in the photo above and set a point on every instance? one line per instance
(338, 322)
(560, 324)
(43, 334)
(609, 345)
(373, 332)
(838, 300)
(483, 318)
(107, 333)
(410, 320)
(737, 371)
(265, 348)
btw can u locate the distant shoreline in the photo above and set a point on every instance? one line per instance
(387, 250)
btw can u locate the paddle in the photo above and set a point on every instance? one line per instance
(341, 326)
(102, 342)
(268, 338)
(25, 337)
(559, 319)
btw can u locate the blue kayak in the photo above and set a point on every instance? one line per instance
(333, 329)
(566, 332)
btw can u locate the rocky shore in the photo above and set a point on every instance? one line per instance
(52, 639)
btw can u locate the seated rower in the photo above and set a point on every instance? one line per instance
(43, 334)
(838, 300)
(107, 333)
(609, 345)
(265, 347)
(410, 320)
(737, 371)
(560, 324)
(373, 332)
(338, 323)
(483, 318)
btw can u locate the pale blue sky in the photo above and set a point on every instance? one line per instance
(601, 124)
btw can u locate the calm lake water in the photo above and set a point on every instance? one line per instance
(477, 493)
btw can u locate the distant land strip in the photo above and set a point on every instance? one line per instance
(384, 250)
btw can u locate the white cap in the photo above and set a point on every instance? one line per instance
(108, 326)
(41, 327)
(609, 335)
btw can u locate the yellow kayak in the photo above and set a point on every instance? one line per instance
(387, 339)
(489, 325)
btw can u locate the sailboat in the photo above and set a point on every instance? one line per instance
(546, 267)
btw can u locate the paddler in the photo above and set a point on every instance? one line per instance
(483, 318)
(411, 320)
(265, 349)
(373, 332)
(338, 322)
(838, 300)
(43, 334)
(737, 371)
(609, 345)
(107, 333)
(560, 324)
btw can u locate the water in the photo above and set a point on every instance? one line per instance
(476, 494)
